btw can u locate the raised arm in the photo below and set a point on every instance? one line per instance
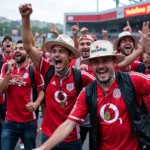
(75, 30)
(43, 42)
(59, 135)
(145, 44)
(27, 36)
(54, 30)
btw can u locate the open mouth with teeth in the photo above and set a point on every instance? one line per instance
(58, 63)
(103, 75)
(8, 46)
(17, 55)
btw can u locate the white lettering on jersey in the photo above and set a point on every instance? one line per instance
(64, 96)
(113, 107)
(17, 80)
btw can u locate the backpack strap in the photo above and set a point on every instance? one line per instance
(1, 62)
(32, 78)
(141, 68)
(48, 76)
(129, 95)
(91, 101)
(77, 79)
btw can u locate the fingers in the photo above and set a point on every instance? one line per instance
(31, 106)
(128, 24)
(25, 9)
(77, 25)
(12, 62)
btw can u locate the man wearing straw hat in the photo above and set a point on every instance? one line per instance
(115, 129)
(61, 91)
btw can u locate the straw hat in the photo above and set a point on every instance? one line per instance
(125, 34)
(102, 48)
(64, 41)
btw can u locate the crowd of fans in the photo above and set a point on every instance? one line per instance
(77, 84)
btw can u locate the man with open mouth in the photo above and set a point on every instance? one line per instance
(61, 90)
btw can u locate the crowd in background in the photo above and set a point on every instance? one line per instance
(53, 76)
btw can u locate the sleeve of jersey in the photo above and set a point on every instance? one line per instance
(44, 66)
(134, 66)
(80, 109)
(38, 78)
(3, 71)
(141, 83)
(86, 78)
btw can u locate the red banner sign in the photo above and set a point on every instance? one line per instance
(137, 10)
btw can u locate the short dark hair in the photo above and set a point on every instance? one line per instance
(19, 42)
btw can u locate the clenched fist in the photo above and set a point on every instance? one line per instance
(25, 10)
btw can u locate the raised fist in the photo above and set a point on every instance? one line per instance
(43, 36)
(75, 29)
(25, 10)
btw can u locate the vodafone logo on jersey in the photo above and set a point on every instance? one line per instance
(61, 98)
(106, 115)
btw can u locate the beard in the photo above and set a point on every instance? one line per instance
(123, 51)
(21, 60)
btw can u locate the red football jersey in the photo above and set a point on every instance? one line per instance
(134, 66)
(19, 93)
(116, 132)
(61, 96)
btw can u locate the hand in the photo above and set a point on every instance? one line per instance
(53, 30)
(32, 106)
(84, 31)
(84, 67)
(75, 29)
(145, 36)
(43, 36)
(36, 35)
(104, 34)
(128, 28)
(25, 10)
(11, 65)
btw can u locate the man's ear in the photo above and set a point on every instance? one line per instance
(70, 56)
(115, 60)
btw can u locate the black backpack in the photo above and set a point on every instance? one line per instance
(76, 75)
(139, 116)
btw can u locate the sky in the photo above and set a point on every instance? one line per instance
(53, 10)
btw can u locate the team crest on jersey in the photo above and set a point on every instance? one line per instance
(25, 75)
(116, 93)
(70, 87)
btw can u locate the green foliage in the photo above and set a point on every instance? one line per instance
(6, 28)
